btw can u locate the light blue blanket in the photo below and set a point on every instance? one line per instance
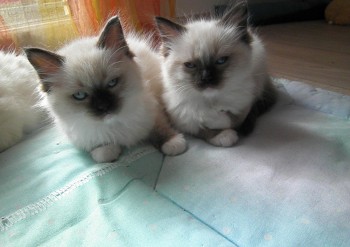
(288, 184)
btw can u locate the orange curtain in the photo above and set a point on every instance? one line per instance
(51, 23)
(89, 15)
(7, 42)
(44, 23)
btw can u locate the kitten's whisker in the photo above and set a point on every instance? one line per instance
(183, 88)
(115, 63)
(156, 77)
(122, 48)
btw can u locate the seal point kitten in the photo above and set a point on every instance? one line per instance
(215, 77)
(100, 97)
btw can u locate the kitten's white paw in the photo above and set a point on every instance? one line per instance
(219, 120)
(225, 138)
(106, 153)
(176, 145)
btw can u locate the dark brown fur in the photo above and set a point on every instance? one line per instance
(162, 131)
(261, 105)
(207, 134)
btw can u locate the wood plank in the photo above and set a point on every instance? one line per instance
(312, 52)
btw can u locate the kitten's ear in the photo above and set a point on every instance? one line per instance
(46, 64)
(168, 30)
(112, 36)
(237, 14)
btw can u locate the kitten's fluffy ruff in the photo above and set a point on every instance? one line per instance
(149, 61)
(122, 128)
(87, 63)
(20, 110)
(192, 109)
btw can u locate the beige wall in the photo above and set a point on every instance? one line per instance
(196, 6)
(199, 6)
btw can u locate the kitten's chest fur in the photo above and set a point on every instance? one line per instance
(190, 109)
(128, 127)
(214, 74)
(131, 121)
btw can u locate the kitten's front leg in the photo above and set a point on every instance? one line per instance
(106, 153)
(217, 120)
(165, 138)
(219, 138)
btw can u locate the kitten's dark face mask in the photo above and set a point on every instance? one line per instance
(207, 74)
(103, 102)
(207, 71)
(100, 101)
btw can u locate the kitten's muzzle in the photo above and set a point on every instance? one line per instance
(103, 106)
(207, 79)
(103, 103)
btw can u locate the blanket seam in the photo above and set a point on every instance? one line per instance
(159, 172)
(42, 204)
(197, 218)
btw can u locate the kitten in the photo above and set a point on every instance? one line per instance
(99, 93)
(19, 99)
(215, 77)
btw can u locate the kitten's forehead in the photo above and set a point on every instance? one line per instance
(91, 68)
(205, 39)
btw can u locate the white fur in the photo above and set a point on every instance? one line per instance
(88, 68)
(149, 62)
(87, 64)
(192, 109)
(225, 138)
(217, 120)
(19, 99)
(106, 153)
(176, 145)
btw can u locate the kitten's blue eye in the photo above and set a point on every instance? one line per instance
(221, 60)
(190, 65)
(113, 82)
(80, 95)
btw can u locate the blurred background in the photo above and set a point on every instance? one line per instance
(301, 43)
(51, 23)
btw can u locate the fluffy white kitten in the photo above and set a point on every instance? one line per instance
(98, 91)
(19, 99)
(215, 77)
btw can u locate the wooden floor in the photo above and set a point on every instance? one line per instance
(312, 52)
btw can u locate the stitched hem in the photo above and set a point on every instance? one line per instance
(32, 209)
